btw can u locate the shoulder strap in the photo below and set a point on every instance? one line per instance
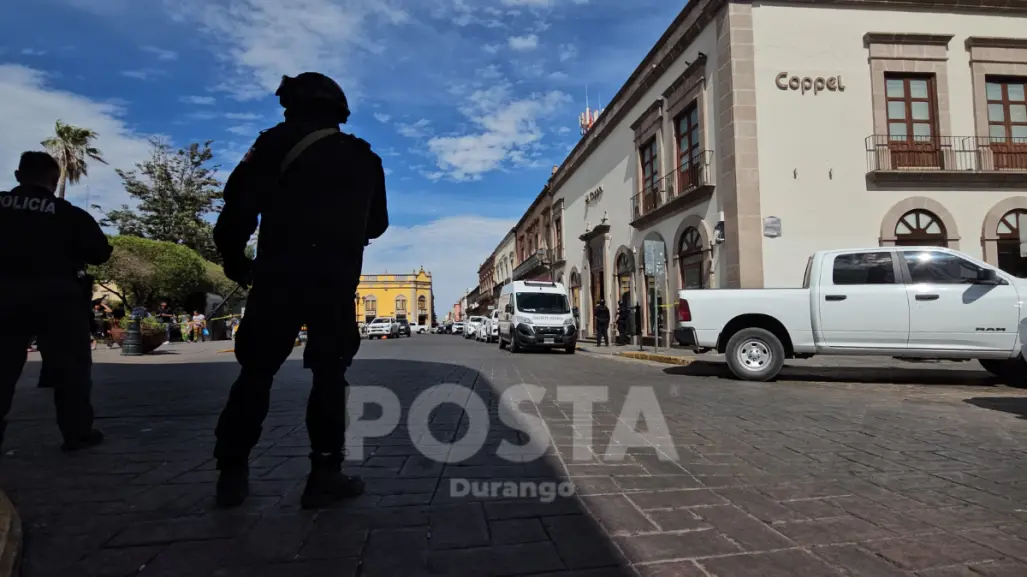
(304, 144)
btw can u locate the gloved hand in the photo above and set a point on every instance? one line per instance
(239, 269)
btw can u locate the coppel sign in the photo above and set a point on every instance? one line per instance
(806, 84)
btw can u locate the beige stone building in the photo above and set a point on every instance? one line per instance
(753, 134)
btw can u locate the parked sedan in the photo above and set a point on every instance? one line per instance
(458, 328)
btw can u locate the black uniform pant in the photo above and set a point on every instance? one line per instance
(275, 312)
(602, 332)
(61, 329)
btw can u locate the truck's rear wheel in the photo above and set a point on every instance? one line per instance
(1012, 372)
(755, 355)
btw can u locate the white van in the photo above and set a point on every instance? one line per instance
(536, 314)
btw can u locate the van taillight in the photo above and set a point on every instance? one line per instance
(684, 313)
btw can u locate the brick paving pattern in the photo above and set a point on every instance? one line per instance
(835, 473)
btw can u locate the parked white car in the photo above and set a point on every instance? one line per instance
(458, 328)
(471, 328)
(483, 330)
(905, 302)
(492, 327)
(383, 327)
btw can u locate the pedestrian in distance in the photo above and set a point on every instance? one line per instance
(320, 196)
(602, 316)
(64, 238)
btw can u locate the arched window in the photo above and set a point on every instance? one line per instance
(370, 305)
(625, 267)
(920, 228)
(690, 257)
(575, 289)
(1008, 233)
(401, 305)
(422, 303)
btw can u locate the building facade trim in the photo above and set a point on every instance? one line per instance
(687, 26)
(648, 124)
(891, 219)
(738, 185)
(989, 229)
(926, 58)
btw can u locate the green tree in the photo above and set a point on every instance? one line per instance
(175, 191)
(142, 271)
(71, 146)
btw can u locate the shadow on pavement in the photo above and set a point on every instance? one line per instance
(141, 504)
(882, 375)
(1013, 405)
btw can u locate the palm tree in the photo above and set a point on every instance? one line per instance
(71, 146)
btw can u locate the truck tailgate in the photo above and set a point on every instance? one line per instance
(712, 309)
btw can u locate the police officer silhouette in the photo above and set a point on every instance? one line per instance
(320, 196)
(47, 242)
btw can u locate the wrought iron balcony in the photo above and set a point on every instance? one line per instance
(537, 261)
(971, 159)
(695, 174)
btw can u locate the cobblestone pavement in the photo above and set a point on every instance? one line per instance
(833, 473)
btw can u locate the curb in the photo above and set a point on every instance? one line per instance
(666, 359)
(10, 538)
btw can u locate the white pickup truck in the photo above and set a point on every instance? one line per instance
(905, 302)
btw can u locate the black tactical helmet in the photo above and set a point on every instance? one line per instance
(312, 89)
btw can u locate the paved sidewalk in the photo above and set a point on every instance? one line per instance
(772, 480)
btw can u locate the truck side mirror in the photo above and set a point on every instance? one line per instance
(987, 276)
(509, 309)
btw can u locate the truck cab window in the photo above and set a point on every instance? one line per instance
(939, 268)
(863, 268)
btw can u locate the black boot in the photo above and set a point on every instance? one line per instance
(326, 483)
(233, 485)
(90, 439)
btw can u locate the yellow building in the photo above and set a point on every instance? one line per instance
(395, 295)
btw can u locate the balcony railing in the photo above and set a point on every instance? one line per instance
(679, 182)
(537, 260)
(946, 154)
(558, 253)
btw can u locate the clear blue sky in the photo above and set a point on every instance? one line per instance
(469, 102)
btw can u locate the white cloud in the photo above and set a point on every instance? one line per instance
(32, 52)
(242, 116)
(417, 129)
(507, 132)
(160, 53)
(32, 105)
(243, 130)
(200, 100)
(444, 248)
(142, 74)
(260, 40)
(491, 48)
(383, 118)
(523, 43)
(567, 52)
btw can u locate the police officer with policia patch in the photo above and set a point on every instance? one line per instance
(47, 241)
(320, 197)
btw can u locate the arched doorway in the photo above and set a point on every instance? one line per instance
(625, 268)
(690, 259)
(1008, 244)
(597, 284)
(920, 228)
(370, 308)
(422, 310)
